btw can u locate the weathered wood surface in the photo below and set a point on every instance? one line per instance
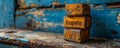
(26, 38)
(48, 16)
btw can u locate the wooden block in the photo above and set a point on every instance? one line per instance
(76, 35)
(82, 22)
(77, 9)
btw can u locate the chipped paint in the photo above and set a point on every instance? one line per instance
(46, 3)
(37, 13)
(103, 21)
(51, 24)
(45, 20)
(118, 18)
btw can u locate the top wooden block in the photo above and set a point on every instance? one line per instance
(77, 9)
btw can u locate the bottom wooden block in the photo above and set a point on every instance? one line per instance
(76, 35)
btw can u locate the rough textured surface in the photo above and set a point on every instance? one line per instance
(49, 18)
(46, 3)
(83, 22)
(25, 36)
(104, 21)
(76, 35)
(77, 9)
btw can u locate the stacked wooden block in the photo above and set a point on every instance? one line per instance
(77, 22)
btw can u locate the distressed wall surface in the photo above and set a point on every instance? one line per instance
(46, 3)
(50, 20)
(43, 3)
(47, 15)
(6, 13)
(104, 19)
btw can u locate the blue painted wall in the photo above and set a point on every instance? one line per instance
(104, 22)
(50, 20)
(6, 13)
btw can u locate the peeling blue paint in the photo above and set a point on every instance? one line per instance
(52, 21)
(104, 21)
(46, 3)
